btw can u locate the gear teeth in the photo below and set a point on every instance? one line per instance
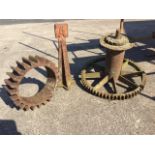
(27, 61)
(13, 76)
(18, 63)
(23, 65)
(10, 90)
(38, 106)
(33, 59)
(38, 58)
(112, 97)
(18, 70)
(48, 100)
(20, 105)
(117, 96)
(10, 83)
(122, 97)
(26, 108)
(15, 98)
(100, 94)
(126, 96)
(17, 75)
(41, 60)
(130, 95)
(105, 96)
(32, 108)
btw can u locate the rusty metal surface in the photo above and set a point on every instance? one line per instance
(110, 41)
(96, 81)
(107, 80)
(122, 29)
(114, 61)
(15, 78)
(61, 32)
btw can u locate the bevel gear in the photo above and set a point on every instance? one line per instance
(95, 80)
(15, 78)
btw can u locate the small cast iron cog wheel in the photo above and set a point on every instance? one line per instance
(15, 78)
(131, 80)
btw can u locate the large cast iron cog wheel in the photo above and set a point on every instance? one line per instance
(131, 80)
(41, 97)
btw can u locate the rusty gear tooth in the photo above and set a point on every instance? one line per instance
(103, 95)
(123, 97)
(119, 97)
(27, 61)
(38, 106)
(10, 83)
(129, 95)
(23, 65)
(114, 98)
(126, 96)
(48, 100)
(42, 61)
(39, 59)
(13, 76)
(33, 59)
(32, 108)
(14, 97)
(20, 105)
(108, 96)
(18, 70)
(26, 108)
(10, 90)
(18, 63)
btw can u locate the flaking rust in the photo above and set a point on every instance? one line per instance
(105, 80)
(55, 76)
(18, 74)
(61, 33)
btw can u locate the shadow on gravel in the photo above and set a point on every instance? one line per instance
(8, 127)
(38, 50)
(5, 97)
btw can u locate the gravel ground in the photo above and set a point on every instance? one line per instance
(76, 111)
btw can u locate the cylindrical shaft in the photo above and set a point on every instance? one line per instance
(114, 62)
(122, 26)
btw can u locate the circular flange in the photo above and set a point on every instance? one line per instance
(41, 97)
(110, 41)
(96, 81)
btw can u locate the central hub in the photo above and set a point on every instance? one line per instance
(116, 44)
(119, 40)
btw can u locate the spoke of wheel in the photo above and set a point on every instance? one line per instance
(121, 85)
(102, 83)
(114, 86)
(93, 75)
(127, 81)
(138, 73)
